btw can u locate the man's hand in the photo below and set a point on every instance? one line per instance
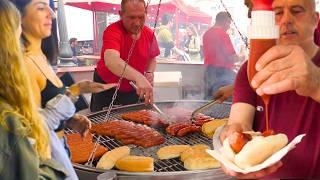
(79, 123)
(285, 68)
(144, 89)
(223, 93)
(87, 86)
(254, 175)
(229, 129)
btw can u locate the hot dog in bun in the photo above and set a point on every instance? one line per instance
(248, 149)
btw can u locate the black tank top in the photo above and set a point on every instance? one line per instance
(49, 92)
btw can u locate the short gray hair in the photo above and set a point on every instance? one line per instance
(123, 3)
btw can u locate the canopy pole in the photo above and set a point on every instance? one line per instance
(177, 16)
(95, 33)
(65, 49)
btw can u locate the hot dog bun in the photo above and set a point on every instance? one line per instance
(173, 151)
(201, 163)
(108, 160)
(259, 149)
(256, 150)
(195, 151)
(135, 164)
(209, 128)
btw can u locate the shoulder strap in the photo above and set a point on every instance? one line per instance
(33, 61)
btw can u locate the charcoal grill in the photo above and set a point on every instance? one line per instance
(163, 168)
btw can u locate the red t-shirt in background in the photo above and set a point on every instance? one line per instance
(116, 37)
(292, 115)
(216, 47)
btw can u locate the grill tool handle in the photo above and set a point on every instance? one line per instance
(153, 105)
(133, 85)
(204, 107)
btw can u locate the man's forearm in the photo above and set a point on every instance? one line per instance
(152, 65)
(116, 65)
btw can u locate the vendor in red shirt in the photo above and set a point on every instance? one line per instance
(219, 55)
(117, 42)
(289, 72)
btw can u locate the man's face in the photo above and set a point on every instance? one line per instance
(133, 16)
(297, 20)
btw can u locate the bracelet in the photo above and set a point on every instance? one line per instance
(74, 98)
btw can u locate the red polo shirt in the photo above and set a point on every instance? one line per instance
(292, 115)
(216, 47)
(116, 37)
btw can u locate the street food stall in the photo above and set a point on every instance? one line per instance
(182, 12)
(139, 127)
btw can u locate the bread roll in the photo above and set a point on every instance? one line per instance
(135, 164)
(173, 151)
(208, 128)
(195, 151)
(227, 150)
(108, 160)
(201, 163)
(259, 149)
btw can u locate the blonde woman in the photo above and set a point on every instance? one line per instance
(24, 147)
(192, 43)
(50, 94)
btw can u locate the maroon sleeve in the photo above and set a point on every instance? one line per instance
(242, 89)
(112, 38)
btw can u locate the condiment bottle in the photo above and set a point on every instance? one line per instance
(263, 33)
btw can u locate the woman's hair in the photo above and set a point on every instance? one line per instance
(193, 29)
(49, 45)
(15, 87)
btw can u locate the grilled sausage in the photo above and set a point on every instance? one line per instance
(186, 130)
(174, 128)
(237, 140)
(201, 122)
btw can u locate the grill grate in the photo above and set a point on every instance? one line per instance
(171, 165)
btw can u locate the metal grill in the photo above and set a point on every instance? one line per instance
(171, 165)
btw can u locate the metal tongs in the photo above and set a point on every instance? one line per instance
(152, 104)
(204, 107)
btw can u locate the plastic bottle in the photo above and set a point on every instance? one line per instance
(263, 33)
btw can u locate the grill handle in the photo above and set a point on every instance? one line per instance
(202, 108)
